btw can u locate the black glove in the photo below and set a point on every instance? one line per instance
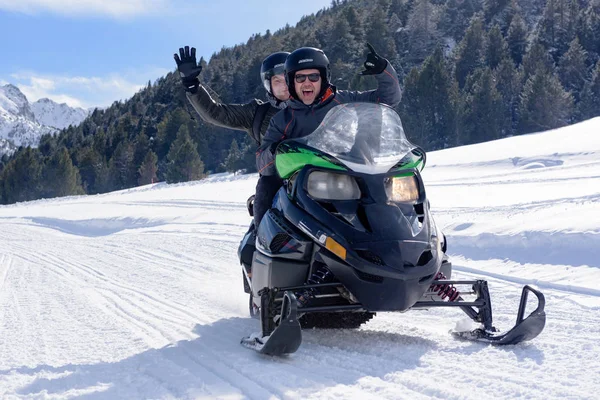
(375, 64)
(188, 68)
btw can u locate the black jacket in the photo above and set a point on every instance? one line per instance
(243, 117)
(299, 119)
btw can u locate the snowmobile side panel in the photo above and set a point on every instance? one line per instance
(277, 237)
(270, 272)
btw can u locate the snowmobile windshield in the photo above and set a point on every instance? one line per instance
(365, 137)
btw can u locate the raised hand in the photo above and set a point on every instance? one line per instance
(375, 64)
(188, 68)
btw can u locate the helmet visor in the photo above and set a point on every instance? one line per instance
(268, 74)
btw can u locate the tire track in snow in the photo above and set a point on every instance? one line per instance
(6, 265)
(526, 281)
(225, 370)
(115, 304)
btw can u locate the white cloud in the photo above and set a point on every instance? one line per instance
(110, 8)
(80, 91)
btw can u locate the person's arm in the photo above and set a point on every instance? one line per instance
(265, 155)
(388, 86)
(233, 116)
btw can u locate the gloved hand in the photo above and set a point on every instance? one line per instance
(375, 64)
(188, 68)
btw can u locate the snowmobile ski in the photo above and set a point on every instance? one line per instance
(286, 337)
(525, 328)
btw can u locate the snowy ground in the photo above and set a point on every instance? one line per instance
(138, 294)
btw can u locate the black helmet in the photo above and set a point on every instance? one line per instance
(307, 58)
(271, 66)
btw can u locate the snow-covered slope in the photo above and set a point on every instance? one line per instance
(137, 294)
(60, 116)
(22, 123)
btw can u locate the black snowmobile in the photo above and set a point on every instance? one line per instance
(350, 233)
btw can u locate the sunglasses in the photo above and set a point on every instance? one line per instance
(314, 77)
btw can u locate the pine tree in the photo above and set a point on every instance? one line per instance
(167, 130)
(492, 7)
(59, 176)
(232, 162)
(21, 177)
(469, 53)
(428, 105)
(590, 31)
(544, 103)
(378, 34)
(121, 168)
(548, 27)
(483, 108)
(184, 162)
(509, 85)
(342, 43)
(496, 47)
(456, 17)
(422, 33)
(355, 23)
(557, 28)
(148, 168)
(93, 170)
(141, 147)
(572, 70)
(508, 14)
(517, 39)
(589, 107)
(537, 58)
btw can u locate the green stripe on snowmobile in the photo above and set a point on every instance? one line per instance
(292, 157)
(410, 161)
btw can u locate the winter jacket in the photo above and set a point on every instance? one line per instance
(299, 119)
(243, 117)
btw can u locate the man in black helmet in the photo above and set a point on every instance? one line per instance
(252, 117)
(312, 95)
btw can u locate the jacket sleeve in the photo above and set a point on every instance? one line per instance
(233, 116)
(387, 92)
(265, 160)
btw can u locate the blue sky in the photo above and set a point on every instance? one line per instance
(92, 52)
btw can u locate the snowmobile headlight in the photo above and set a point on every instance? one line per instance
(332, 186)
(403, 189)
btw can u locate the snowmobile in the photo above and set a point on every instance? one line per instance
(351, 233)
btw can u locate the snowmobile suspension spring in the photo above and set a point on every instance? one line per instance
(319, 276)
(445, 290)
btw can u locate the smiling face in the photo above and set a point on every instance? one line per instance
(307, 91)
(279, 88)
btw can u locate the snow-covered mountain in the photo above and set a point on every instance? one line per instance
(50, 113)
(138, 293)
(22, 123)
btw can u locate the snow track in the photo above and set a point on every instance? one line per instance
(137, 294)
